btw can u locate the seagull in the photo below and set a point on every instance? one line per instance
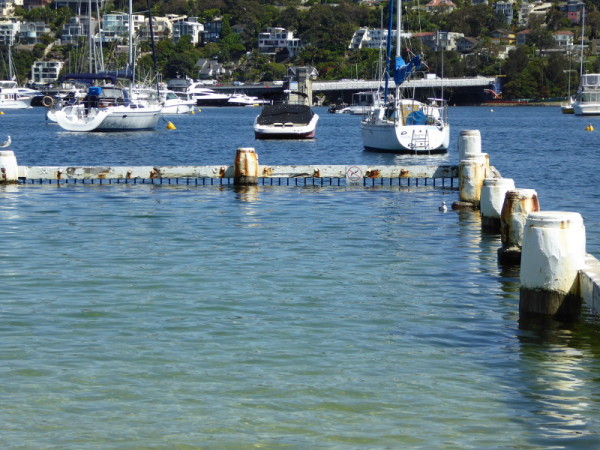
(6, 143)
(443, 207)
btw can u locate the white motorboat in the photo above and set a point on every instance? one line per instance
(204, 96)
(286, 121)
(587, 101)
(173, 104)
(245, 100)
(11, 97)
(363, 103)
(401, 124)
(587, 98)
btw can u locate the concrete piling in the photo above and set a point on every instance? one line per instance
(493, 192)
(518, 203)
(471, 173)
(245, 169)
(9, 172)
(553, 254)
(469, 143)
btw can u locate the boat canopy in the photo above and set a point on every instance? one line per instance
(90, 78)
(284, 113)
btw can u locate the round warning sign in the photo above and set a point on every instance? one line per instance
(354, 173)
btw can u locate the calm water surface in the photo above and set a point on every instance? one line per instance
(285, 317)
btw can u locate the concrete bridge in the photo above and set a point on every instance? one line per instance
(366, 85)
(456, 90)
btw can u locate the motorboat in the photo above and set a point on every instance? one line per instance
(173, 104)
(402, 124)
(204, 96)
(245, 100)
(363, 103)
(567, 107)
(11, 97)
(286, 120)
(587, 100)
(170, 101)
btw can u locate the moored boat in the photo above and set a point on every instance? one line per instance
(107, 108)
(11, 97)
(402, 124)
(587, 101)
(286, 121)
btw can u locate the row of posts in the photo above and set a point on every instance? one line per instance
(549, 246)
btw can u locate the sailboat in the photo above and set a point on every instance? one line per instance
(109, 107)
(400, 124)
(11, 96)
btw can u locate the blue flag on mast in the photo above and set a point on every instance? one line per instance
(403, 70)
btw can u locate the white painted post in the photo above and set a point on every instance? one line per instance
(471, 173)
(518, 204)
(469, 142)
(9, 171)
(245, 169)
(553, 254)
(493, 192)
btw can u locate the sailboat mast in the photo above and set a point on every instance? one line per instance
(582, 37)
(398, 41)
(388, 51)
(89, 36)
(130, 62)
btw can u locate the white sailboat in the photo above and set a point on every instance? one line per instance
(403, 125)
(109, 107)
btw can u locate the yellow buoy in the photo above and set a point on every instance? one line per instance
(170, 126)
(589, 127)
(1, 113)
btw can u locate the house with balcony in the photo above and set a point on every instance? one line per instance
(31, 32)
(439, 40)
(212, 31)
(44, 72)
(504, 9)
(161, 29)
(275, 40)
(189, 27)
(369, 38)
(77, 28)
(9, 32)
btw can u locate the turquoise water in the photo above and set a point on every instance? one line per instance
(140, 316)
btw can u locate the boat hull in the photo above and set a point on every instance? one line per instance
(405, 139)
(178, 108)
(208, 101)
(287, 130)
(586, 109)
(24, 103)
(118, 118)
